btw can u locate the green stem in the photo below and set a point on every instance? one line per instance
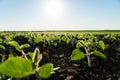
(59, 39)
(24, 55)
(87, 53)
(88, 57)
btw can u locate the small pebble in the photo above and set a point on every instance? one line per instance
(69, 77)
(62, 55)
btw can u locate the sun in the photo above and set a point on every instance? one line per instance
(53, 8)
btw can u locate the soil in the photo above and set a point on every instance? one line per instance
(77, 70)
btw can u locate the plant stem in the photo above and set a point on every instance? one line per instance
(88, 57)
(60, 39)
(24, 55)
(87, 53)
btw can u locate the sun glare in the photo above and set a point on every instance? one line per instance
(53, 8)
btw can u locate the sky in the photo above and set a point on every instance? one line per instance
(32, 15)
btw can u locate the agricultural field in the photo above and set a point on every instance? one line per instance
(60, 55)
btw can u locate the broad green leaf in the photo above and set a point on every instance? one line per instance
(12, 55)
(38, 39)
(90, 40)
(16, 67)
(45, 70)
(15, 44)
(99, 54)
(82, 42)
(78, 45)
(63, 38)
(2, 47)
(101, 44)
(24, 46)
(77, 55)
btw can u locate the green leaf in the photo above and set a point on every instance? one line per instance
(18, 49)
(15, 44)
(99, 54)
(2, 47)
(39, 58)
(54, 44)
(82, 42)
(16, 67)
(44, 35)
(90, 41)
(38, 39)
(101, 44)
(1, 41)
(77, 55)
(2, 58)
(24, 46)
(36, 56)
(45, 70)
(12, 55)
(79, 44)
(30, 54)
(63, 38)
(68, 40)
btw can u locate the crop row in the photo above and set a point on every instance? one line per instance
(21, 53)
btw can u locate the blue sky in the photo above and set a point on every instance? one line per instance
(31, 15)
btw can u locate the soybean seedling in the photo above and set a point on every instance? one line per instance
(90, 48)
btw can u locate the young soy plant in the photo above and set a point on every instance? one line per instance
(26, 65)
(86, 48)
